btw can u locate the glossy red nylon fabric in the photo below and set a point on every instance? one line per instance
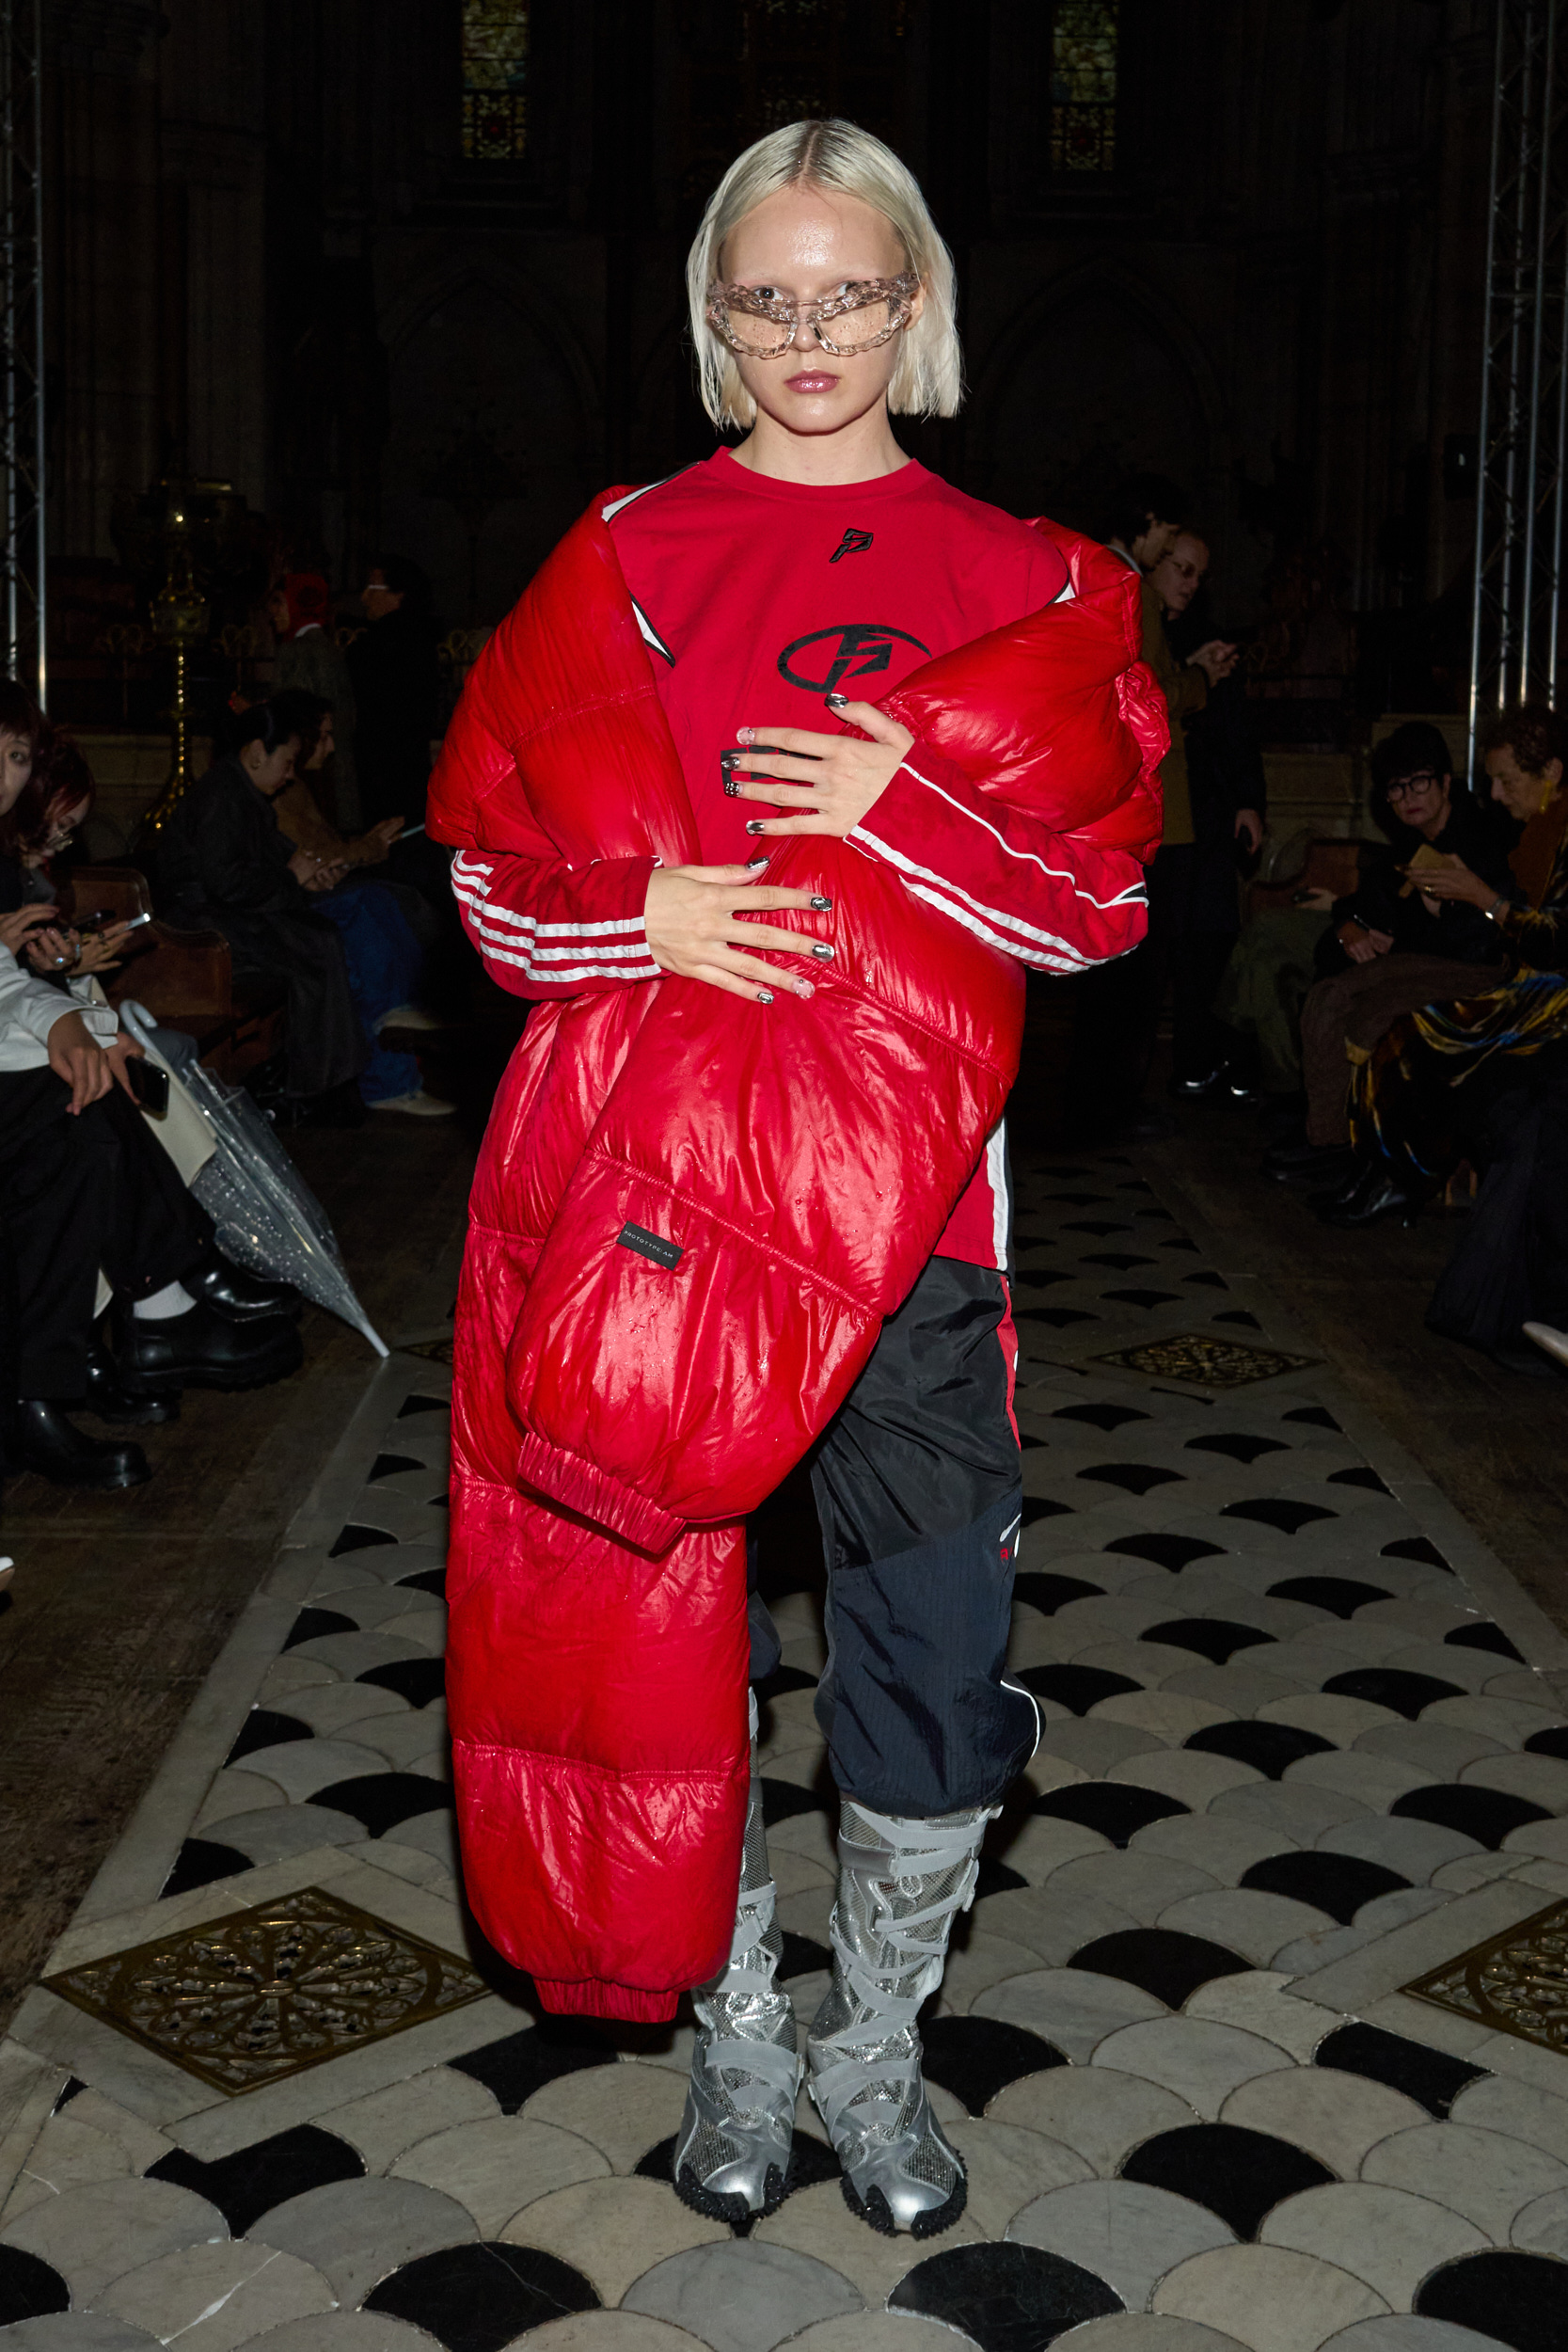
(615, 1416)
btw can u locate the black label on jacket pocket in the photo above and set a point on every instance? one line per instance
(654, 1245)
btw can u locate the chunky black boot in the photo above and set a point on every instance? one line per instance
(39, 1437)
(1372, 1200)
(202, 1349)
(238, 1296)
(108, 1398)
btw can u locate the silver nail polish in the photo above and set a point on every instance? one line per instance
(754, 825)
(820, 947)
(765, 995)
(822, 906)
(754, 865)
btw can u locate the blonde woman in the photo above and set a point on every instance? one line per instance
(805, 606)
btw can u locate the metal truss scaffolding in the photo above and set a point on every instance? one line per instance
(21, 419)
(1524, 395)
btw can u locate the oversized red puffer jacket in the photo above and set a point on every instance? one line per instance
(690, 1216)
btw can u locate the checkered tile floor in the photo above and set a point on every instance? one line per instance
(1291, 1761)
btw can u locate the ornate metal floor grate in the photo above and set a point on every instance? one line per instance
(1517, 1982)
(260, 1995)
(1203, 1361)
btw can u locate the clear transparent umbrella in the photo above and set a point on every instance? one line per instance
(268, 1219)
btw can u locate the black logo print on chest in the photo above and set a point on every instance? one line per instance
(852, 543)
(854, 649)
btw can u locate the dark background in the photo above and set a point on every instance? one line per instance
(270, 262)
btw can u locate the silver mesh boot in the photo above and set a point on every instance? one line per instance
(732, 2150)
(900, 1883)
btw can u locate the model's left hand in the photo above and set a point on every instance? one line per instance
(822, 783)
(1454, 882)
(1249, 828)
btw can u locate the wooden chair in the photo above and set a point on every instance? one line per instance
(1331, 864)
(185, 979)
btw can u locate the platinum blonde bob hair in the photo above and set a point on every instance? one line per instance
(843, 159)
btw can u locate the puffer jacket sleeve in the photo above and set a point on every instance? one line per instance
(547, 925)
(546, 928)
(1058, 903)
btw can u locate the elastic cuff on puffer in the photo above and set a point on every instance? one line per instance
(585, 1997)
(594, 1494)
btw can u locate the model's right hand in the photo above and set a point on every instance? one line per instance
(693, 929)
(76, 1055)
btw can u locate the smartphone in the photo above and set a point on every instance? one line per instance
(107, 916)
(149, 1084)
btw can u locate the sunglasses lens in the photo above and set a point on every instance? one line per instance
(763, 338)
(858, 329)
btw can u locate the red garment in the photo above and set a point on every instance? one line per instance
(673, 1275)
(310, 601)
(740, 585)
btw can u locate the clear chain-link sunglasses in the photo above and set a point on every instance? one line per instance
(869, 311)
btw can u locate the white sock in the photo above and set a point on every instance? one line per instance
(173, 1300)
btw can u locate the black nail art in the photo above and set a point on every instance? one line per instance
(820, 947)
(822, 906)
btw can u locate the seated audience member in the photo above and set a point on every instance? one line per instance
(301, 817)
(311, 662)
(1393, 946)
(222, 860)
(386, 926)
(1421, 1096)
(83, 1187)
(1195, 913)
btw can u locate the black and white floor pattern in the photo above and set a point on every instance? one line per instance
(1298, 1749)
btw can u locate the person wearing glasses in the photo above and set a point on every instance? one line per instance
(758, 611)
(1390, 945)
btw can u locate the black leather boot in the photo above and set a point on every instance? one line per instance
(108, 1398)
(202, 1349)
(1372, 1200)
(238, 1296)
(1330, 1165)
(39, 1437)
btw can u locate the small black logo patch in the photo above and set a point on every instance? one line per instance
(852, 543)
(654, 1245)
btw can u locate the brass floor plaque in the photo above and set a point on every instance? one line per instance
(1517, 1982)
(1204, 1361)
(263, 1994)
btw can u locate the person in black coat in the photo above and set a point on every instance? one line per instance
(397, 692)
(1199, 902)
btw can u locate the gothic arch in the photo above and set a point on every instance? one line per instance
(1133, 386)
(494, 432)
(415, 303)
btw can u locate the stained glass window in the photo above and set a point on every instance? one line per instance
(1084, 86)
(495, 93)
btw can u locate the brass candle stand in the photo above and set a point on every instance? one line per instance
(181, 619)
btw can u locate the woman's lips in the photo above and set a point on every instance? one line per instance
(811, 380)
